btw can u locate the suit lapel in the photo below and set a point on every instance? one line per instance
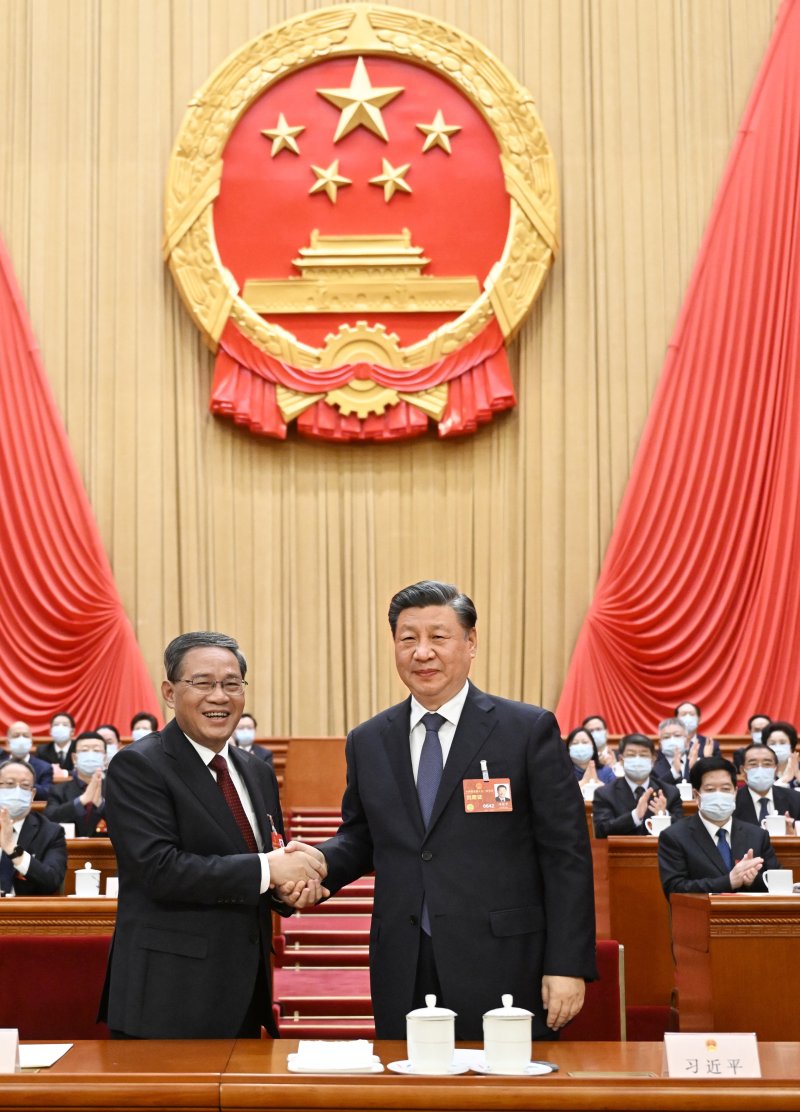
(474, 726)
(745, 806)
(741, 840)
(705, 842)
(395, 738)
(197, 778)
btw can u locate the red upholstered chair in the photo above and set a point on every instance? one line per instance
(51, 986)
(602, 1018)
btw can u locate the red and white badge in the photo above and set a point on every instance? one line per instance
(487, 795)
(277, 840)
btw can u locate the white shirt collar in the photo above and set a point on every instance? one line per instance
(633, 786)
(712, 827)
(451, 710)
(757, 798)
(207, 755)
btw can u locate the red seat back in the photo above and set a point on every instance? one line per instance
(602, 1018)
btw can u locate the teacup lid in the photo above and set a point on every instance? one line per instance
(430, 1011)
(508, 1011)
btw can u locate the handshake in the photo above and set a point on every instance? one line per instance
(296, 873)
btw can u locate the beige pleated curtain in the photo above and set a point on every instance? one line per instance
(296, 547)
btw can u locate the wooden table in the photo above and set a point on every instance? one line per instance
(737, 963)
(251, 1075)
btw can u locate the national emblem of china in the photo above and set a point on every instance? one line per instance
(361, 208)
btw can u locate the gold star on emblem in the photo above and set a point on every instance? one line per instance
(329, 180)
(392, 179)
(361, 104)
(437, 134)
(283, 136)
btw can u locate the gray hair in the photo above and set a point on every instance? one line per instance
(177, 649)
(430, 592)
(671, 722)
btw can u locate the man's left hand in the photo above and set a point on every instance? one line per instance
(562, 998)
(7, 839)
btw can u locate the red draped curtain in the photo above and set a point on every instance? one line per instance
(699, 594)
(65, 641)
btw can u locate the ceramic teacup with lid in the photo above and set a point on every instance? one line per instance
(507, 1037)
(431, 1038)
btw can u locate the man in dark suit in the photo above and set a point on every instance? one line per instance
(623, 806)
(761, 796)
(197, 830)
(80, 799)
(20, 745)
(712, 851)
(244, 737)
(59, 750)
(33, 852)
(471, 900)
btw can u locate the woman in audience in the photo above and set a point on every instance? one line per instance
(596, 725)
(781, 737)
(585, 758)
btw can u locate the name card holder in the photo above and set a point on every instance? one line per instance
(710, 1055)
(9, 1050)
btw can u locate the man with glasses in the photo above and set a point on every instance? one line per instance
(761, 796)
(197, 829)
(33, 852)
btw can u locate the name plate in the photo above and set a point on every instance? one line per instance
(710, 1055)
(9, 1050)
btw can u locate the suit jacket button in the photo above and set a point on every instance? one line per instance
(427, 855)
(414, 921)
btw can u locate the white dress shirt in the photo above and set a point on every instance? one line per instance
(756, 798)
(712, 828)
(21, 864)
(450, 711)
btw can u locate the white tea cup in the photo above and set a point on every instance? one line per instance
(685, 792)
(656, 823)
(431, 1038)
(112, 887)
(779, 882)
(507, 1038)
(775, 825)
(87, 881)
(68, 828)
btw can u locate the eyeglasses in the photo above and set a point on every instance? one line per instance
(205, 687)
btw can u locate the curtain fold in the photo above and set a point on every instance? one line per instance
(699, 594)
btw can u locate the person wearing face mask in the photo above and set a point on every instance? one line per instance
(143, 724)
(81, 799)
(110, 735)
(60, 749)
(244, 737)
(697, 744)
(761, 796)
(622, 806)
(781, 737)
(20, 745)
(713, 851)
(672, 761)
(756, 724)
(596, 725)
(33, 852)
(585, 758)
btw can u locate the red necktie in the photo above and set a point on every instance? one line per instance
(231, 796)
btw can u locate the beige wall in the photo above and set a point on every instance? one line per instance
(296, 547)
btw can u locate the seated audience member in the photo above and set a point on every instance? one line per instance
(756, 723)
(143, 724)
(596, 725)
(781, 737)
(81, 799)
(672, 761)
(244, 737)
(110, 735)
(623, 806)
(20, 745)
(689, 714)
(713, 851)
(60, 750)
(585, 759)
(33, 852)
(761, 796)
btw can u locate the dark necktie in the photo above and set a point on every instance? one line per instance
(724, 848)
(6, 873)
(763, 808)
(429, 772)
(637, 795)
(231, 796)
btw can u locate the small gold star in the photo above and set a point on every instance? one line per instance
(329, 180)
(283, 136)
(361, 104)
(392, 179)
(438, 133)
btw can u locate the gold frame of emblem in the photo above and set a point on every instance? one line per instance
(210, 291)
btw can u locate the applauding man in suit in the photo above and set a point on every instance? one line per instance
(622, 807)
(473, 898)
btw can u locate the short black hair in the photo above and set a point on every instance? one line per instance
(688, 703)
(760, 749)
(430, 592)
(785, 727)
(179, 646)
(710, 764)
(89, 734)
(247, 714)
(143, 715)
(109, 726)
(63, 714)
(753, 717)
(589, 718)
(636, 739)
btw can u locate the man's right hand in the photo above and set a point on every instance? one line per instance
(94, 790)
(744, 872)
(642, 805)
(296, 867)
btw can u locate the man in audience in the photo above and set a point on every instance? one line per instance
(671, 764)
(33, 852)
(110, 735)
(197, 830)
(244, 737)
(60, 749)
(143, 724)
(622, 807)
(468, 903)
(761, 796)
(81, 799)
(713, 851)
(20, 745)
(697, 744)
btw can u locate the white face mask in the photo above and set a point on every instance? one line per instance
(17, 801)
(60, 734)
(600, 738)
(88, 762)
(637, 768)
(140, 732)
(717, 806)
(690, 722)
(245, 736)
(671, 745)
(581, 751)
(781, 749)
(20, 746)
